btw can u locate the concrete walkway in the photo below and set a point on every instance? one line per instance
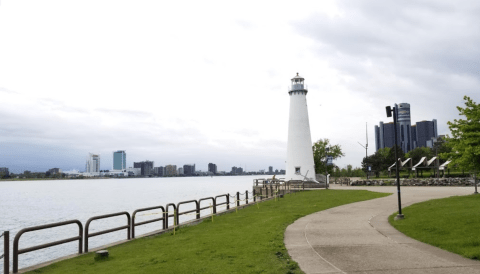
(357, 238)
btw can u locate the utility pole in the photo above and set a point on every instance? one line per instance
(366, 149)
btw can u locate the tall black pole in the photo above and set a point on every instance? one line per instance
(400, 215)
(326, 165)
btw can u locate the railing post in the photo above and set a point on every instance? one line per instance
(177, 217)
(254, 197)
(214, 206)
(165, 218)
(238, 199)
(6, 252)
(198, 209)
(228, 201)
(271, 190)
(246, 197)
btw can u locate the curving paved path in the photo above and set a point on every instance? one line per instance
(357, 238)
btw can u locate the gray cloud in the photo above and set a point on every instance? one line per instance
(421, 52)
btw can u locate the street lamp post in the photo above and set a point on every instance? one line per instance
(326, 166)
(389, 114)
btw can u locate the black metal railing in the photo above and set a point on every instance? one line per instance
(213, 205)
(6, 251)
(169, 214)
(17, 251)
(87, 225)
(148, 221)
(227, 201)
(196, 210)
(166, 213)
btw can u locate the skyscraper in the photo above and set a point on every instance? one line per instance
(145, 166)
(299, 146)
(159, 171)
(409, 136)
(93, 163)
(119, 160)
(426, 130)
(212, 168)
(404, 123)
(189, 169)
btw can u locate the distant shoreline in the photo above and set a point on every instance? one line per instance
(98, 178)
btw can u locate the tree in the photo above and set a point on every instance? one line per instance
(390, 160)
(465, 140)
(377, 161)
(319, 154)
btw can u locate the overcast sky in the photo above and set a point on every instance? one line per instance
(181, 82)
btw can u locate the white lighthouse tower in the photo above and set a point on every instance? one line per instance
(300, 165)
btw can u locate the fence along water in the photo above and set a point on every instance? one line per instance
(166, 213)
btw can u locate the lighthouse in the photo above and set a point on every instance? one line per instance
(300, 165)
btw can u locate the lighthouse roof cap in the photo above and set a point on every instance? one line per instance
(298, 77)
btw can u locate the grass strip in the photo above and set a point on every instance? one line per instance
(249, 241)
(449, 223)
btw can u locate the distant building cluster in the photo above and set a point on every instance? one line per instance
(409, 137)
(140, 169)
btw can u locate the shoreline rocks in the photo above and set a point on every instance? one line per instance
(417, 182)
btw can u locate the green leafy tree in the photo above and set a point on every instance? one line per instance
(465, 140)
(440, 148)
(319, 155)
(390, 160)
(377, 161)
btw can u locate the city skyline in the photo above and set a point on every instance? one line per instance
(159, 81)
(409, 136)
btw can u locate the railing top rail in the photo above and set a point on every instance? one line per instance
(108, 216)
(147, 209)
(40, 227)
(204, 199)
(187, 202)
(220, 196)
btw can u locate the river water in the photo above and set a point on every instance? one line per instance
(31, 203)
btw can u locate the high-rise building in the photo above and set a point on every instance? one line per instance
(119, 160)
(239, 170)
(299, 145)
(234, 170)
(404, 124)
(408, 136)
(189, 169)
(270, 170)
(170, 170)
(145, 166)
(426, 130)
(180, 171)
(212, 168)
(93, 163)
(159, 171)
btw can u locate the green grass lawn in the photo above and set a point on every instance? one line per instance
(249, 241)
(450, 223)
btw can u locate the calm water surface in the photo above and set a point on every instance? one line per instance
(31, 203)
